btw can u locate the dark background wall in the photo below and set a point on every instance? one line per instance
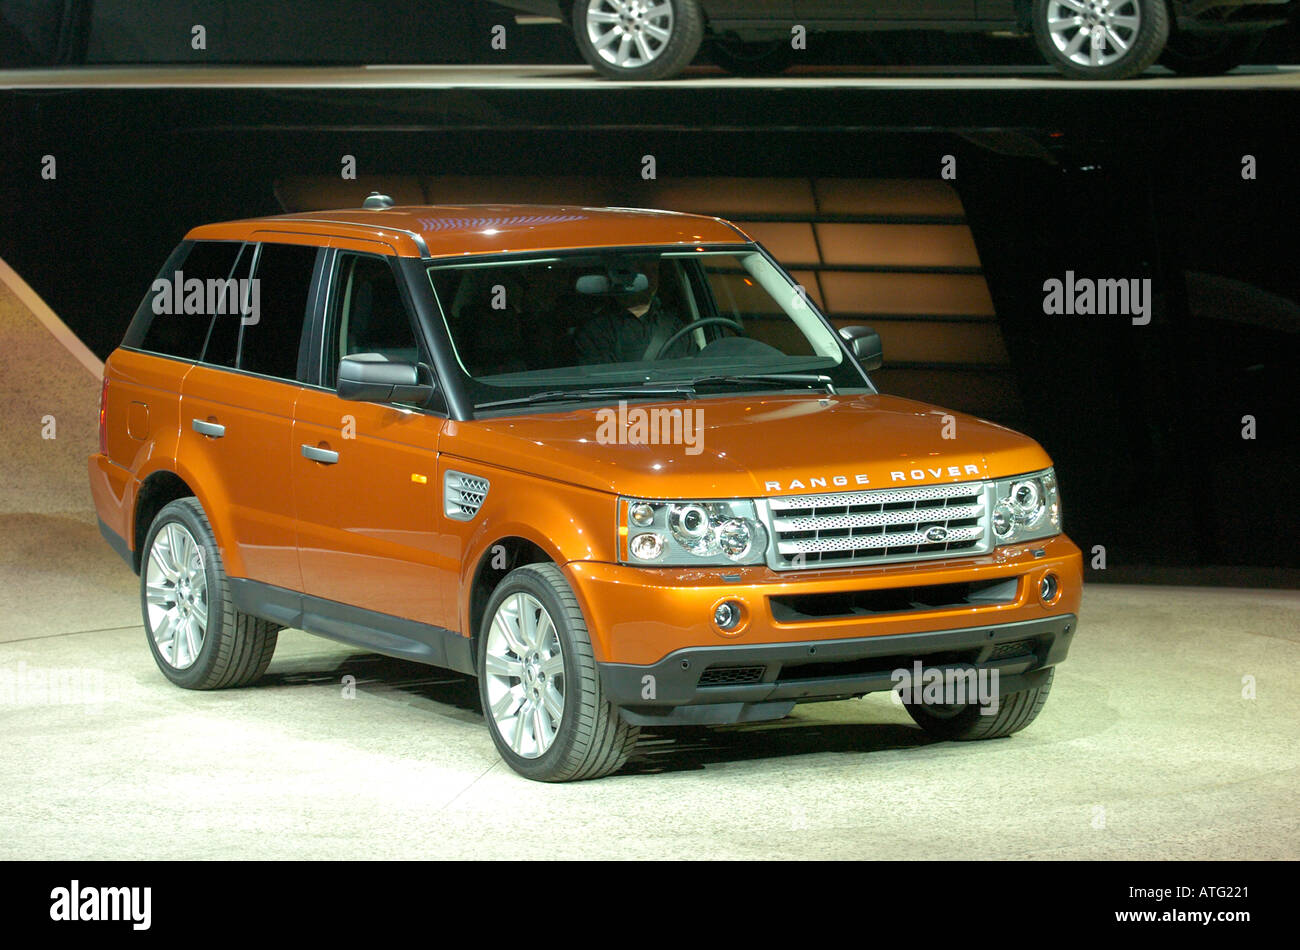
(1144, 422)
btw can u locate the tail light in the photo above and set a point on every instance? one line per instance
(103, 418)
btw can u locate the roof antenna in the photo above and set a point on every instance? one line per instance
(377, 202)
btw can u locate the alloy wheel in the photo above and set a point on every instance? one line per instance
(524, 675)
(629, 34)
(177, 595)
(1094, 33)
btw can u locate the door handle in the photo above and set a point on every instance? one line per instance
(317, 454)
(210, 429)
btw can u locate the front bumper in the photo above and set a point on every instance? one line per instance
(694, 686)
(662, 660)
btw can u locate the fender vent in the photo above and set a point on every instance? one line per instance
(463, 495)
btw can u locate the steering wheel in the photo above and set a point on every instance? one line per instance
(702, 322)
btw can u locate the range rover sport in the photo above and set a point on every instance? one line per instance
(613, 463)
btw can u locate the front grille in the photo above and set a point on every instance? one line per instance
(732, 675)
(873, 527)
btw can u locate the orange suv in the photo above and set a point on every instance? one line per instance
(613, 463)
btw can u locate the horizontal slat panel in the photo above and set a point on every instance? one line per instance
(729, 197)
(887, 196)
(898, 245)
(934, 342)
(792, 243)
(906, 293)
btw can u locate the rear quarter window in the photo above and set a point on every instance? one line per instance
(176, 314)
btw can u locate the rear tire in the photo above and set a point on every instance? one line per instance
(541, 692)
(197, 637)
(1132, 35)
(1209, 54)
(621, 41)
(967, 723)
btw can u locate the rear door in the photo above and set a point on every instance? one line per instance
(365, 474)
(237, 412)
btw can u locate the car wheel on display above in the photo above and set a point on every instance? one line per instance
(761, 58)
(1209, 54)
(638, 39)
(197, 637)
(538, 682)
(1101, 39)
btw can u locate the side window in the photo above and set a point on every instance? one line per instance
(271, 334)
(176, 314)
(367, 315)
(223, 336)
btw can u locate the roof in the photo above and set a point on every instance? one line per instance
(454, 230)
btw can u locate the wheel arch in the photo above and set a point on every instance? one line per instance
(494, 563)
(157, 490)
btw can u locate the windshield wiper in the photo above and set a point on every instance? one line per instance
(571, 395)
(807, 379)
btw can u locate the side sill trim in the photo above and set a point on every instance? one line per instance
(368, 629)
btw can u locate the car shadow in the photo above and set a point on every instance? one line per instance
(660, 750)
(690, 748)
(376, 674)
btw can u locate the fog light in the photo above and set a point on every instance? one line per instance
(1049, 589)
(727, 615)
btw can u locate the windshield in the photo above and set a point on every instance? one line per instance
(560, 325)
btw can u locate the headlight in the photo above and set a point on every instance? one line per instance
(690, 532)
(1026, 507)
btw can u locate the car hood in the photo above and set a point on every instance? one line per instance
(747, 446)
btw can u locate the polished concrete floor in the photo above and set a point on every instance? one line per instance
(581, 77)
(1146, 749)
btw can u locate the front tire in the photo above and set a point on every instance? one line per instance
(197, 637)
(638, 39)
(966, 722)
(1209, 54)
(1101, 39)
(538, 682)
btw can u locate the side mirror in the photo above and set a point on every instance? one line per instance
(373, 377)
(864, 344)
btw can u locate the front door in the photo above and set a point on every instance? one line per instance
(366, 492)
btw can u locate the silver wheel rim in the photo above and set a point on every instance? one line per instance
(1093, 33)
(176, 591)
(524, 674)
(629, 33)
